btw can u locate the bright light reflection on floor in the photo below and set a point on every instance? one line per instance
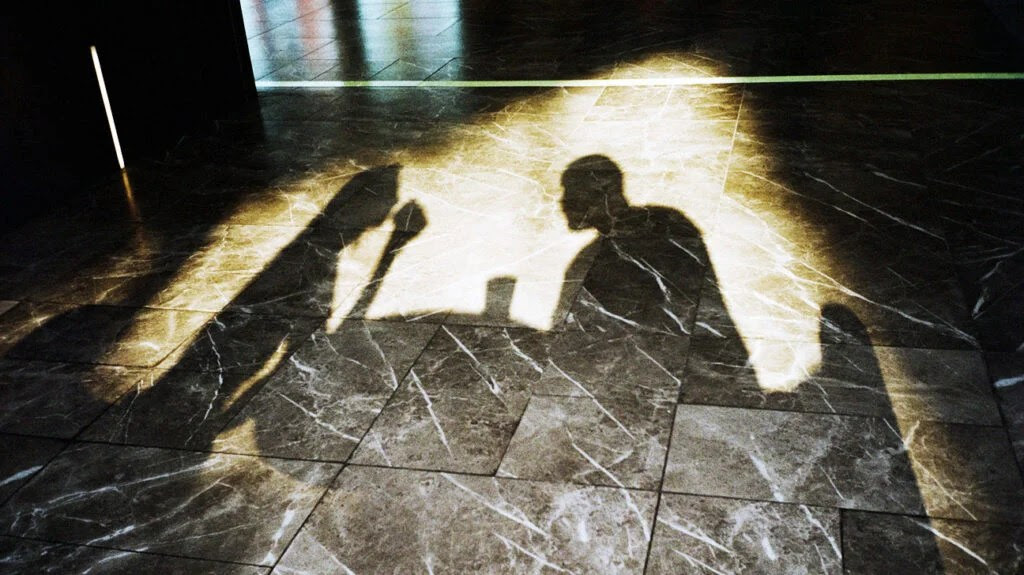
(491, 201)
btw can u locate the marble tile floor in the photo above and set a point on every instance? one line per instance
(690, 329)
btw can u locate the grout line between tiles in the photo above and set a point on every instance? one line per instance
(394, 392)
(133, 551)
(312, 510)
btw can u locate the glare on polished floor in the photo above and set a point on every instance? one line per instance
(621, 328)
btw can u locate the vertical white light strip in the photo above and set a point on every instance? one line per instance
(106, 105)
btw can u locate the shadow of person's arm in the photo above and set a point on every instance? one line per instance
(849, 368)
(412, 218)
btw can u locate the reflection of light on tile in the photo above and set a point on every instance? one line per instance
(129, 196)
(490, 193)
(780, 368)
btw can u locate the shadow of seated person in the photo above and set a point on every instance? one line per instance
(645, 270)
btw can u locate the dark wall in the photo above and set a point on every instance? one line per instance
(170, 68)
(1011, 14)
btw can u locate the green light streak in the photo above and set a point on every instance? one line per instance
(638, 82)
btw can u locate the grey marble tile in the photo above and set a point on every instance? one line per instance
(55, 399)
(21, 458)
(96, 334)
(1007, 373)
(23, 319)
(815, 459)
(718, 52)
(966, 472)
(26, 556)
(863, 104)
(879, 543)
(670, 103)
(897, 292)
(398, 104)
(413, 68)
(240, 343)
(914, 384)
(292, 105)
(615, 364)
(980, 210)
(262, 66)
(139, 270)
(984, 216)
(594, 195)
(970, 40)
(286, 49)
(63, 241)
(300, 70)
(195, 268)
(767, 140)
(324, 398)
(348, 70)
(890, 201)
(369, 201)
(953, 471)
(399, 521)
(535, 105)
(643, 285)
(981, 137)
(226, 507)
(704, 534)
(175, 408)
(644, 146)
(460, 403)
(531, 144)
(586, 440)
(996, 324)
(658, 203)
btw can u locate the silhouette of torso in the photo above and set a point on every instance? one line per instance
(649, 265)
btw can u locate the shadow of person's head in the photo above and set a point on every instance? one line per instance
(367, 199)
(592, 193)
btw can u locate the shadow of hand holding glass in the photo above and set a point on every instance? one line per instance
(411, 217)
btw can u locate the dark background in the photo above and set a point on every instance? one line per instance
(170, 68)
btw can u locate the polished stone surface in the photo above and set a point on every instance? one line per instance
(880, 543)
(58, 399)
(459, 405)
(225, 507)
(627, 326)
(321, 403)
(177, 408)
(587, 440)
(137, 337)
(1007, 373)
(934, 385)
(591, 364)
(439, 522)
(22, 458)
(704, 534)
(846, 462)
(26, 556)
